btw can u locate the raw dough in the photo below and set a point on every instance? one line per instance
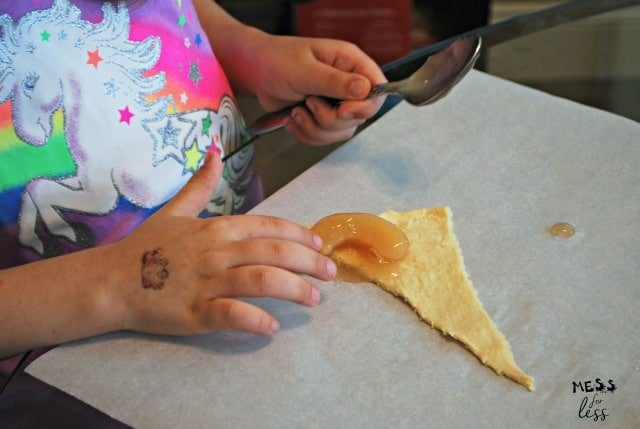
(433, 280)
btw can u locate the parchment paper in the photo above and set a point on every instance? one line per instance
(510, 162)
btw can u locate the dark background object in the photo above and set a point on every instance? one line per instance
(432, 20)
(446, 18)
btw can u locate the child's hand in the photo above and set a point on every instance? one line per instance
(175, 274)
(184, 274)
(304, 68)
(283, 70)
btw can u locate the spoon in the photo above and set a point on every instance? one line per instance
(432, 81)
(435, 78)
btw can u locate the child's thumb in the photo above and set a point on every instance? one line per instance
(195, 195)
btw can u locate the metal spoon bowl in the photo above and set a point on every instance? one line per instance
(441, 72)
(432, 81)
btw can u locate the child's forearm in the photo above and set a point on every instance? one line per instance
(234, 43)
(57, 300)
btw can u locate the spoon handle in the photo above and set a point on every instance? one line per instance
(270, 122)
(384, 88)
(273, 121)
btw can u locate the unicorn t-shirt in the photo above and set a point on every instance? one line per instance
(106, 110)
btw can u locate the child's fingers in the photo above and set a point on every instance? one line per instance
(344, 71)
(285, 254)
(305, 129)
(330, 118)
(195, 195)
(337, 83)
(252, 227)
(259, 281)
(232, 314)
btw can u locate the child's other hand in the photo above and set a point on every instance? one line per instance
(308, 69)
(184, 274)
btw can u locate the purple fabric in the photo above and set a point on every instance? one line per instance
(30, 403)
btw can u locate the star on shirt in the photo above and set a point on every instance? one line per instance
(187, 42)
(184, 98)
(193, 157)
(206, 125)
(194, 73)
(94, 58)
(198, 39)
(45, 36)
(126, 115)
(169, 135)
(182, 21)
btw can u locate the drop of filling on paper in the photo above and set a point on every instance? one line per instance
(562, 230)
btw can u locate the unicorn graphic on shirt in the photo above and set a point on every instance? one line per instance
(122, 144)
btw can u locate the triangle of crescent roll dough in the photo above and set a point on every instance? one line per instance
(432, 279)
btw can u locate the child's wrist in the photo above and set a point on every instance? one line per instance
(108, 300)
